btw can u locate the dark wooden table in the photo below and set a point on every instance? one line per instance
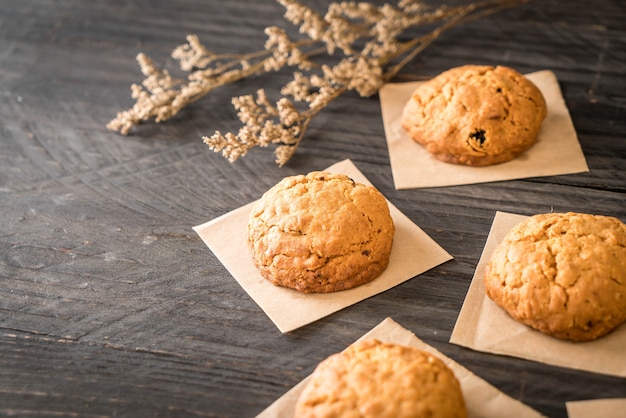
(110, 304)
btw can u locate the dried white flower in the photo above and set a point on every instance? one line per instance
(311, 23)
(193, 55)
(289, 115)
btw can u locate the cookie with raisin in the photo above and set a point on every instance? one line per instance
(475, 115)
(320, 233)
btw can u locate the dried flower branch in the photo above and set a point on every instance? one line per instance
(363, 38)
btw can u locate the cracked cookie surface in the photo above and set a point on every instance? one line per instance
(563, 274)
(475, 115)
(381, 380)
(320, 232)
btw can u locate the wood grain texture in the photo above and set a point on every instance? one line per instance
(110, 305)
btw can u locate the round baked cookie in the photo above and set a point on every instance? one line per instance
(372, 379)
(475, 115)
(563, 274)
(320, 232)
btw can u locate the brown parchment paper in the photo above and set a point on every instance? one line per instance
(481, 398)
(413, 252)
(597, 408)
(557, 150)
(484, 326)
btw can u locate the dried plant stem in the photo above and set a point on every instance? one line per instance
(378, 58)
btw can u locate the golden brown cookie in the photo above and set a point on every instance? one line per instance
(563, 274)
(475, 115)
(320, 232)
(372, 379)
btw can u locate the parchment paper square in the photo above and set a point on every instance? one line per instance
(556, 152)
(413, 252)
(482, 399)
(597, 408)
(484, 326)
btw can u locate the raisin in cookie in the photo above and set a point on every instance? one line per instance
(381, 380)
(475, 115)
(320, 232)
(563, 274)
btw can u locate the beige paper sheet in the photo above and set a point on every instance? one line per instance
(556, 152)
(413, 252)
(484, 326)
(482, 399)
(597, 408)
